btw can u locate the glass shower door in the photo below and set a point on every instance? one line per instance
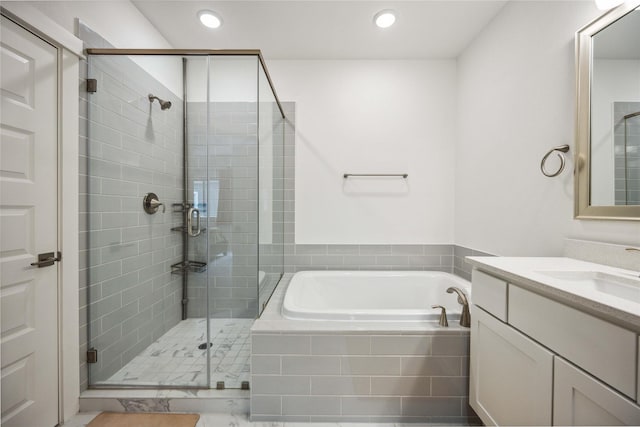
(231, 217)
(133, 274)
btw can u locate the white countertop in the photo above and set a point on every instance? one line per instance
(529, 272)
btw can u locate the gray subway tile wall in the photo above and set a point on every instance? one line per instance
(460, 266)
(128, 148)
(356, 376)
(626, 141)
(302, 257)
(223, 183)
(225, 151)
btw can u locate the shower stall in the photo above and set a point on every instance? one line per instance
(183, 204)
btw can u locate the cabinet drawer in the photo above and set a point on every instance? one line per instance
(489, 293)
(605, 350)
(580, 400)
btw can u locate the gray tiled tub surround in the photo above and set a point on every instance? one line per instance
(128, 147)
(461, 267)
(370, 257)
(357, 371)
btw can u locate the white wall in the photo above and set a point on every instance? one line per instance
(372, 117)
(614, 80)
(122, 24)
(516, 100)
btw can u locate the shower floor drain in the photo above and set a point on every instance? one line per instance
(203, 346)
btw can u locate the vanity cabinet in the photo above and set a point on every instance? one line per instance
(512, 374)
(536, 361)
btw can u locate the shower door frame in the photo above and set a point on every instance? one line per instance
(183, 52)
(195, 52)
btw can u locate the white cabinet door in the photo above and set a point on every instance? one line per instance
(581, 400)
(28, 226)
(511, 375)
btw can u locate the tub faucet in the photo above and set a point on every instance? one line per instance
(465, 317)
(443, 315)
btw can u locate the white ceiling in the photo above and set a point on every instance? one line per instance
(310, 29)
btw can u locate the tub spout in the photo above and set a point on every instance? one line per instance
(465, 317)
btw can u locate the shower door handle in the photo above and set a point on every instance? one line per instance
(190, 231)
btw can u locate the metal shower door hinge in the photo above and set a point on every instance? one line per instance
(220, 385)
(92, 355)
(244, 385)
(92, 85)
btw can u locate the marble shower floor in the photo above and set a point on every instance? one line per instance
(175, 360)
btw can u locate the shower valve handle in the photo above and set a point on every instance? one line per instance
(151, 204)
(156, 204)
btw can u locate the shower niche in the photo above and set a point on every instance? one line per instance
(182, 197)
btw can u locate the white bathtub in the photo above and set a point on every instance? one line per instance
(372, 295)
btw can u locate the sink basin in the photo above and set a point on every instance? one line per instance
(627, 288)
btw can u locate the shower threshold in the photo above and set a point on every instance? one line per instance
(234, 402)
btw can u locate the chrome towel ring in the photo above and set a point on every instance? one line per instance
(559, 150)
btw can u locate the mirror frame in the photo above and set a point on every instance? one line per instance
(582, 173)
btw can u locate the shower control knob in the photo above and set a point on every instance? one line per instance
(151, 204)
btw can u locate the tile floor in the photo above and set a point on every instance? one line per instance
(175, 359)
(226, 420)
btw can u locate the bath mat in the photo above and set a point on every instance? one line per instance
(114, 419)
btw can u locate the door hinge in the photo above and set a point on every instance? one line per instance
(92, 355)
(92, 85)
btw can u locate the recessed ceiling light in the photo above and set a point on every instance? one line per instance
(209, 19)
(608, 4)
(385, 18)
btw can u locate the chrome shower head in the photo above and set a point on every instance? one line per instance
(164, 105)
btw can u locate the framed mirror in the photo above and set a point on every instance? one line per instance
(608, 116)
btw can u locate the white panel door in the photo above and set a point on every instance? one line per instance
(28, 227)
(581, 400)
(511, 376)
